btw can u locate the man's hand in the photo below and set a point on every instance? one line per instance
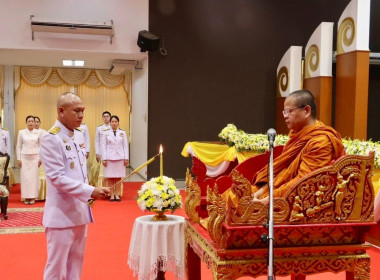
(19, 163)
(104, 163)
(87, 154)
(126, 162)
(100, 192)
(39, 163)
(97, 158)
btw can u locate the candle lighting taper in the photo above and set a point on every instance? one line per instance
(161, 162)
(92, 201)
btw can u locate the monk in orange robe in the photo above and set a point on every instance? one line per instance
(311, 145)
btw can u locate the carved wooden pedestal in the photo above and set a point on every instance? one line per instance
(229, 264)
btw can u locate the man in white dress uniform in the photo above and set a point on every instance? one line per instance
(83, 128)
(106, 116)
(66, 213)
(5, 148)
(5, 143)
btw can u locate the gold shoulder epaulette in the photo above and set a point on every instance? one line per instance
(79, 129)
(121, 129)
(100, 125)
(5, 128)
(55, 130)
(83, 123)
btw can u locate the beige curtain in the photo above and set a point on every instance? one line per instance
(98, 100)
(58, 76)
(40, 87)
(38, 101)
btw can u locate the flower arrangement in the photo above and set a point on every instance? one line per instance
(357, 147)
(248, 142)
(159, 194)
(259, 143)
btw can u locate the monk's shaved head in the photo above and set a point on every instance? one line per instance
(304, 97)
(66, 99)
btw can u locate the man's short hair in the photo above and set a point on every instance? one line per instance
(304, 97)
(106, 112)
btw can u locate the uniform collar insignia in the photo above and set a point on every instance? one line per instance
(55, 130)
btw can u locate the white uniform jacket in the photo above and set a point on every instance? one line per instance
(28, 142)
(5, 143)
(98, 137)
(64, 160)
(86, 135)
(115, 147)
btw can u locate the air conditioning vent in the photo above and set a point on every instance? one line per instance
(72, 28)
(121, 66)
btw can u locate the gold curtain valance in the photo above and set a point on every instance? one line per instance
(74, 77)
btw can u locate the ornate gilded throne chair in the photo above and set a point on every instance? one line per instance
(4, 184)
(319, 225)
(248, 168)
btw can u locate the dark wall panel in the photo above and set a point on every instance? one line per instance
(220, 67)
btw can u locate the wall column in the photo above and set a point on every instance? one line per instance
(9, 107)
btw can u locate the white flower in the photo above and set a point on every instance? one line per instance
(159, 193)
(259, 143)
(142, 205)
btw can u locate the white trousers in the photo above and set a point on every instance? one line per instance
(65, 250)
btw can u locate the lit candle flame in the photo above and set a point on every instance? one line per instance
(161, 149)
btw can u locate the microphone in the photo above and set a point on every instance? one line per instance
(271, 136)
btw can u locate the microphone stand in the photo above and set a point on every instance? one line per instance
(271, 137)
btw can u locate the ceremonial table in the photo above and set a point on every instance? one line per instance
(157, 246)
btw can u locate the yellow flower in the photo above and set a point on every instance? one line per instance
(150, 202)
(149, 192)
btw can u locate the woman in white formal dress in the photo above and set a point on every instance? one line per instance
(115, 157)
(38, 124)
(27, 153)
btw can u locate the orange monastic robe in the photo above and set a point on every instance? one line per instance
(311, 148)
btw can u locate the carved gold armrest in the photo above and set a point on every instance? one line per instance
(193, 197)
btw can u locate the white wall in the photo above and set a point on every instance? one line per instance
(129, 16)
(139, 119)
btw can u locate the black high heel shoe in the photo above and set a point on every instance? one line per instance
(112, 199)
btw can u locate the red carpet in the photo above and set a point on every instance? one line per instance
(22, 220)
(23, 256)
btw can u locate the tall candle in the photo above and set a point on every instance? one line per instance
(161, 162)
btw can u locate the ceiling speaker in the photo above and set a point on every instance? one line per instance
(148, 41)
